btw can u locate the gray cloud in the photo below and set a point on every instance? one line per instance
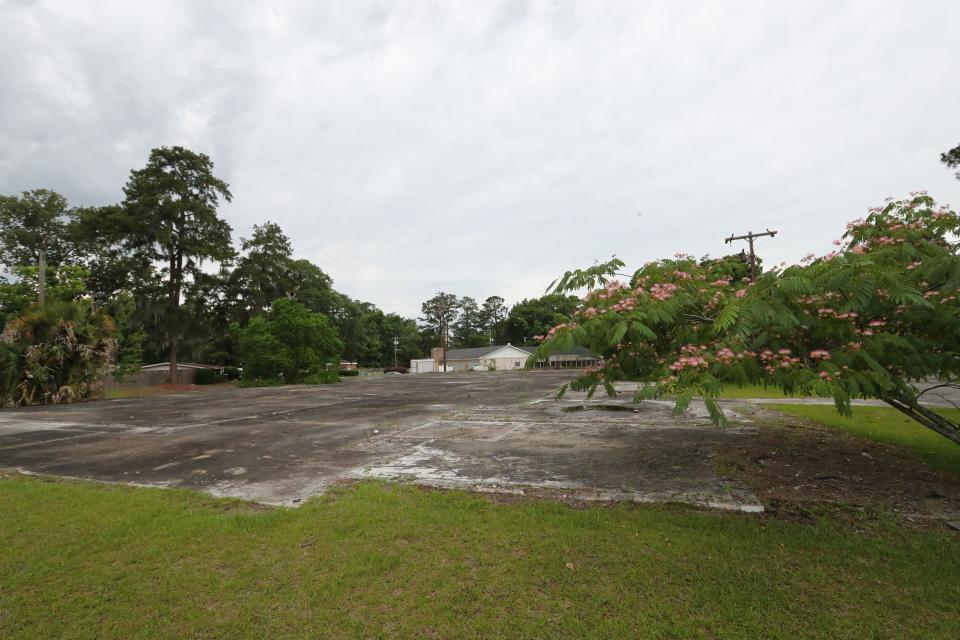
(483, 148)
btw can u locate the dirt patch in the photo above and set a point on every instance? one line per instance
(791, 462)
(124, 392)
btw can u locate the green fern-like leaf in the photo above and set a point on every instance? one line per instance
(727, 317)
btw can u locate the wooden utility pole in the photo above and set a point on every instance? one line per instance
(749, 237)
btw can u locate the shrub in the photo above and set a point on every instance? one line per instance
(395, 370)
(324, 376)
(231, 373)
(55, 353)
(347, 373)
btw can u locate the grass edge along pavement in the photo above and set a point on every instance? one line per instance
(83, 559)
(886, 425)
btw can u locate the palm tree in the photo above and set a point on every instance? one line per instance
(57, 352)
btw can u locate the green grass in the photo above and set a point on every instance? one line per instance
(885, 424)
(733, 392)
(752, 391)
(83, 560)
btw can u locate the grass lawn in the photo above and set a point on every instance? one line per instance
(85, 560)
(885, 424)
(733, 392)
(752, 391)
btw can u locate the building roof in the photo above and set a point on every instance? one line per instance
(476, 353)
(575, 351)
(180, 365)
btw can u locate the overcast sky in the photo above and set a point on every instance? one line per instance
(485, 147)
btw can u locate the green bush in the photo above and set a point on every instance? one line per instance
(56, 353)
(207, 376)
(346, 373)
(325, 376)
(288, 343)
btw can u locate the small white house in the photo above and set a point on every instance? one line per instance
(501, 358)
(492, 358)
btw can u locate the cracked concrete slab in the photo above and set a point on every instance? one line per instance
(595, 453)
(496, 431)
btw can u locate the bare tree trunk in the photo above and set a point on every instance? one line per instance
(176, 266)
(926, 417)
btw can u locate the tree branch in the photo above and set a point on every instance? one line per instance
(926, 417)
(949, 383)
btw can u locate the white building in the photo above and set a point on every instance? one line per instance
(499, 358)
(422, 365)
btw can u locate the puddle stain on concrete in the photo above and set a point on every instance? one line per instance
(601, 408)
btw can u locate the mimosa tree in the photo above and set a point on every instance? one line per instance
(866, 320)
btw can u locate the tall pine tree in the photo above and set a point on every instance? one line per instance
(171, 216)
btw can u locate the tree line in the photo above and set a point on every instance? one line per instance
(465, 322)
(161, 264)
